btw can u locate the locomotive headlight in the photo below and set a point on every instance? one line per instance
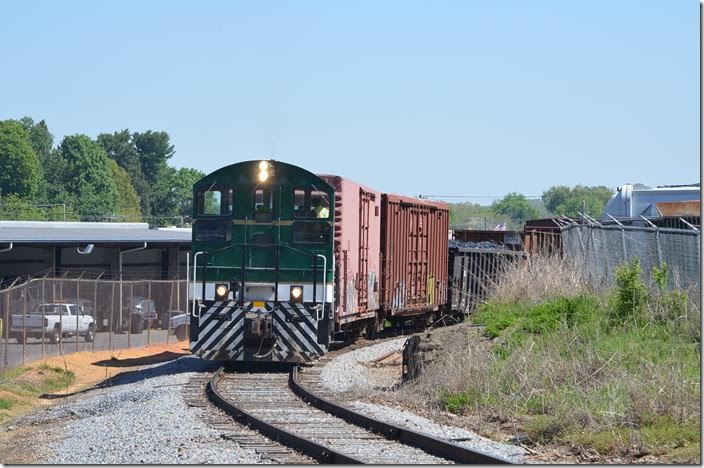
(296, 294)
(221, 291)
(263, 166)
(263, 175)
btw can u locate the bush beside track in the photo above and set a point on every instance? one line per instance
(607, 374)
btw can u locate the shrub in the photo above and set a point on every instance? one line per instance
(631, 294)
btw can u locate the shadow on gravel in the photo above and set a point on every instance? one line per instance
(140, 361)
(180, 365)
(177, 366)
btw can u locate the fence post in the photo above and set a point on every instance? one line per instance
(61, 314)
(95, 313)
(623, 243)
(43, 312)
(24, 322)
(605, 252)
(149, 322)
(78, 306)
(6, 324)
(129, 312)
(111, 325)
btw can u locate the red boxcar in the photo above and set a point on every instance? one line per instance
(391, 255)
(357, 249)
(414, 245)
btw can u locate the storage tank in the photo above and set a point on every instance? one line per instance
(634, 200)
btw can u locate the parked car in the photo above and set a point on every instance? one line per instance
(53, 320)
(180, 325)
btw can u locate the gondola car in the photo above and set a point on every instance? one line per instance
(284, 259)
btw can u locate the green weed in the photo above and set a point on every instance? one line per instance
(6, 403)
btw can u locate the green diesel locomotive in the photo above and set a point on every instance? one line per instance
(262, 256)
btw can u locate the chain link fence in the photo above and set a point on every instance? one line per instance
(55, 316)
(599, 250)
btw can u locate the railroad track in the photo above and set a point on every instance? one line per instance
(281, 408)
(269, 450)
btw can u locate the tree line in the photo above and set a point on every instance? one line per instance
(515, 209)
(122, 176)
(126, 176)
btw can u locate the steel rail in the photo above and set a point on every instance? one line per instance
(310, 448)
(428, 443)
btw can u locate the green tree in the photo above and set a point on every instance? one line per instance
(128, 207)
(182, 188)
(155, 149)
(120, 147)
(79, 173)
(16, 208)
(516, 207)
(468, 215)
(563, 200)
(39, 137)
(20, 171)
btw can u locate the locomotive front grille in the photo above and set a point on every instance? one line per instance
(259, 331)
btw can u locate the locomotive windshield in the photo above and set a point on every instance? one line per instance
(263, 205)
(309, 203)
(215, 201)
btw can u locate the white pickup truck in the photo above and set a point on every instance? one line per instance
(53, 321)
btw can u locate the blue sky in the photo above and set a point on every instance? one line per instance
(435, 97)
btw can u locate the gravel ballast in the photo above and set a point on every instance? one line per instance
(146, 421)
(458, 435)
(345, 373)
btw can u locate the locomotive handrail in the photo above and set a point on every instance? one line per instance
(325, 266)
(195, 264)
(243, 269)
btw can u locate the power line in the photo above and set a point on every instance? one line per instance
(472, 196)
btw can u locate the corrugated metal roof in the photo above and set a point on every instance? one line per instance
(67, 233)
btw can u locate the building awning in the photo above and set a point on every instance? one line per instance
(61, 233)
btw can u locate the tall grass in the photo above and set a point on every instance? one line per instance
(572, 364)
(539, 277)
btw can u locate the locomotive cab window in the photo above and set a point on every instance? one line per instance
(215, 201)
(263, 205)
(309, 203)
(311, 233)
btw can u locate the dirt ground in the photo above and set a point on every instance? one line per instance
(93, 368)
(24, 445)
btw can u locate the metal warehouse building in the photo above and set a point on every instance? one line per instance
(30, 248)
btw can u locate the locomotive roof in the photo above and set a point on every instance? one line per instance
(281, 169)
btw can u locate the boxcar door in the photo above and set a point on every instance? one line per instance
(366, 203)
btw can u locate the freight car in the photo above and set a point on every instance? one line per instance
(284, 260)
